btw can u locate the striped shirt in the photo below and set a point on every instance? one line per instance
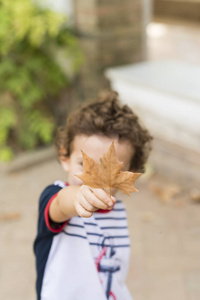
(84, 258)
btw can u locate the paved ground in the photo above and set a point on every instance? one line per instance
(164, 229)
(164, 224)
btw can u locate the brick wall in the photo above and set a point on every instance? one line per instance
(111, 33)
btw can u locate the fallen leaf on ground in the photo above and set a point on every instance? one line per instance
(147, 217)
(195, 195)
(10, 216)
(164, 193)
(108, 173)
(179, 203)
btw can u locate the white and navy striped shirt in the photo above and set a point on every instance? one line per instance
(84, 258)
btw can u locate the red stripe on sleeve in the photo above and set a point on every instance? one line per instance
(47, 221)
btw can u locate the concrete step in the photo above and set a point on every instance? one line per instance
(166, 95)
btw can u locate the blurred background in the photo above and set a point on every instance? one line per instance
(56, 55)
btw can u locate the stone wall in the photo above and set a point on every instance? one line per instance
(111, 33)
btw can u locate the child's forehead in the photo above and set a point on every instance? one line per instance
(96, 145)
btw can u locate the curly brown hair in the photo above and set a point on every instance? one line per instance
(106, 117)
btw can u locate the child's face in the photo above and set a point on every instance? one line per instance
(94, 146)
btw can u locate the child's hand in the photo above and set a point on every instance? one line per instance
(90, 199)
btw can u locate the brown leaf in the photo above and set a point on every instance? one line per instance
(165, 193)
(10, 216)
(108, 173)
(147, 217)
(195, 195)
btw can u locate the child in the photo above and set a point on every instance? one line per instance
(82, 245)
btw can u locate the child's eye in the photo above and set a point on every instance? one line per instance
(81, 163)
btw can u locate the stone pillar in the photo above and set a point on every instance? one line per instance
(111, 33)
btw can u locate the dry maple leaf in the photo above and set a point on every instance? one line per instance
(108, 173)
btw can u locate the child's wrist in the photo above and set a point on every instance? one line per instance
(65, 201)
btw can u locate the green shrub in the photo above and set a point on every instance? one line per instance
(33, 41)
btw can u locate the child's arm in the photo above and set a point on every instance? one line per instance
(82, 200)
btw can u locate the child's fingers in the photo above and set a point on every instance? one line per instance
(82, 212)
(103, 196)
(94, 200)
(97, 198)
(87, 205)
(114, 199)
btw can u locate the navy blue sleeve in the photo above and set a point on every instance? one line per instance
(43, 241)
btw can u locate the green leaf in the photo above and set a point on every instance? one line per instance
(31, 73)
(6, 154)
(8, 117)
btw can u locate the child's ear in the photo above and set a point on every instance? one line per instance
(64, 160)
